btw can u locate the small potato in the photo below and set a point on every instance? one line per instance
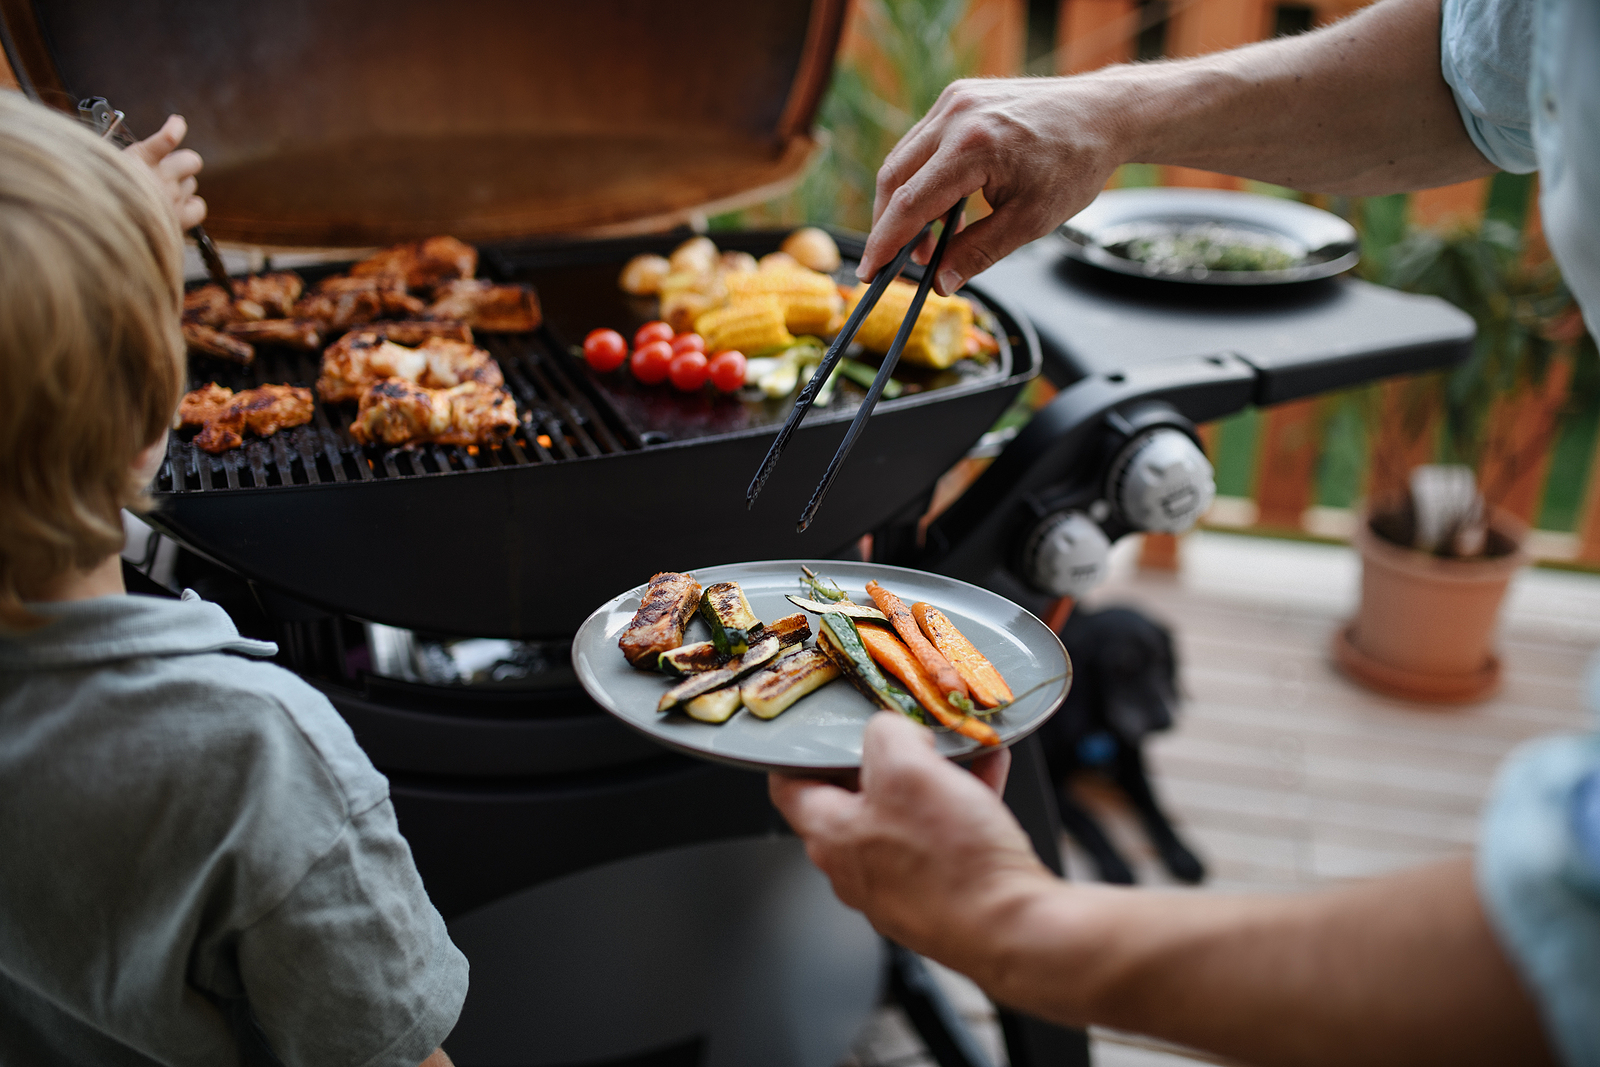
(697, 254)
(737, 263)
(643, 274)
(779, 261)
(814, 248)
(682, 308)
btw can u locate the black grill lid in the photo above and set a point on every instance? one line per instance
(345, 123)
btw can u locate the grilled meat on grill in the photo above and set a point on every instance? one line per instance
(391, 290)
(423, 264)
(487, 307)
(260, 296)
(208, 305)
(664, 612)
(351, 365)
(304, 334)
(341, 310)
(396, 412)
(211, 341)
(418, 331)
(225, 415)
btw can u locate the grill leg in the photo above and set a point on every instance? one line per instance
(1032, 1042)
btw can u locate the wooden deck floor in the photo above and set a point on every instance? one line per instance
(1284, 775)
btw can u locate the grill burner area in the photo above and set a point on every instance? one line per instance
(560, 421)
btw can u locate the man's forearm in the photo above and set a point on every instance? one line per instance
(1404, 970)
(1359, 107)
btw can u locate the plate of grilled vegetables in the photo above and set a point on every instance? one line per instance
(778, 665)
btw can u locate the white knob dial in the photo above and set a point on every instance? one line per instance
(1066, 554)
(1162, 482)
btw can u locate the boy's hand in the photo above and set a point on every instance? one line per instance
(926, 850)
(174, 170)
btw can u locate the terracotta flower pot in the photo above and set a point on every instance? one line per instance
(1425, 627)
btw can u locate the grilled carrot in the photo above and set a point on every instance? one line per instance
(988, 689)
(945, 676)
(897, 659)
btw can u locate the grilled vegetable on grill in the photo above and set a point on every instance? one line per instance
(933, 662)
(303, 334)
(762, 652)
(727, 612)
(814, 248)
(896, 658)
(939, 337)
(361, 358)
(486, 306)
(754, 325)
(668, 604)
(703, 655)
(714, 707)
(643, 274)
(210, 341)
(225, 415)
(811, 302)
(988, 688)
(771, 691)
(397, 412)
(423, 264)
(837, 636)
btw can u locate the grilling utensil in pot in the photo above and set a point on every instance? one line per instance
(111, 124)
(863, 308)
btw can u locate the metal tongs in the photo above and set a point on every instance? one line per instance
(111, 124)
(891, 359)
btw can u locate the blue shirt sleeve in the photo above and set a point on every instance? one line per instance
(1485, 54)
(1538, 874)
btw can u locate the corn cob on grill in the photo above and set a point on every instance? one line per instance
(752, 325)
(811, 302)
(939, 337)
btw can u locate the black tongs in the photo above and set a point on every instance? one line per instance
(111, 124)
(808, 395)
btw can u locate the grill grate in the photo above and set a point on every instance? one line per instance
(560, 421)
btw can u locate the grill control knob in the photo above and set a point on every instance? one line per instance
(1161, 482)
(1066, 554)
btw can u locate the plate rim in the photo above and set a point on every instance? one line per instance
(1090, 252)
(814, 768)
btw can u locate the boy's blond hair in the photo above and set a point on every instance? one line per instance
(91, 352)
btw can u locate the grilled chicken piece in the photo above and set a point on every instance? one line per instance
(487, 307)
(391, 290)
(351, 365)
(304, 334)
(208, 305)
(225, 415)
(273, 293)
(339, 311)
(669, 602)
(210, 341)
(419, 331)
(423, 264)
(397, 412)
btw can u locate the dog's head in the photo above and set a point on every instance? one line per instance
(1124, 673)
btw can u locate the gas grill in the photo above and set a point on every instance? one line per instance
(619, 904)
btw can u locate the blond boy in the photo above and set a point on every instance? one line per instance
(197, 863)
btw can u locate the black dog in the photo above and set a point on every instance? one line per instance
(1124, 686)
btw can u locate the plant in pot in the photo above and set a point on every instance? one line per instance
(1438, 544)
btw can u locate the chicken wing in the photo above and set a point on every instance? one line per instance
(487, 307)
(338, 311)
(358, 359)
(423, 264)
(273, 293)
(224, 415)
(304, 334)
(210, 341)
(208, 305)
(396, 411)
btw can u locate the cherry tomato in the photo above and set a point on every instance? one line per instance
(652, 331)
(605, 350)
(689, 370)
(652, 362)
(688, 342)
(727, 371)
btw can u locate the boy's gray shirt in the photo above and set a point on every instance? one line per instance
(197, 862)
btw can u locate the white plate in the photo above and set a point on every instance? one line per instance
(822, 731)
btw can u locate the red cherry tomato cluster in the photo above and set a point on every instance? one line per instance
(660, 354)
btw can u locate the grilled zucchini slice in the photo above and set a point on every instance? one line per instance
(691, 659)
(760, 654)
(837, 637)
(769, 692)
(716, 706)
(727, 612)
